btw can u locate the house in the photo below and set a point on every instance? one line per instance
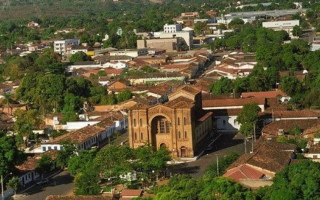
(79, 197)
(130, 52)
(281, 25)
(60, 46)
(281, 127)
(168, 44)
(27, 169)
(118, 86)
(225, 111)
(283, 97)
(153, 78)
(130, 194)
(84, 138)
(258, 168)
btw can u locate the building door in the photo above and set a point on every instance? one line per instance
(183, 151)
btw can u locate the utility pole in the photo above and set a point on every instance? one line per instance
(217, 165)
(2, 193)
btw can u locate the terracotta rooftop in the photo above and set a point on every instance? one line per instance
(180, 102)
(111, 70)
(80, 135)
(243, 171)
(267, 94)
(315, 148)
(232, 102)
(87, 197)
(287, 125)
(227, 112)
(128, 192)
(31, 162)
(293, 114)
(268, 155)
(190, 89)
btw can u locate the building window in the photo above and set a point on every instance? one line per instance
(135, 136)
(185, 134)
(141, 136)
(55, 148)
(184, 121)
(140, 122)
(162, 126)
(179, 134)
(49, 148)
(134, 122)
(178, 121)
(44, 148)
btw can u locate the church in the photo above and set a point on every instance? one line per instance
(180, 124)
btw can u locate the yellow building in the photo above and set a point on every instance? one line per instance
(180, 125)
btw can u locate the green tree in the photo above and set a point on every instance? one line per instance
(297, 181)
(79, 56)
(14, 183)
(87, 182)
(79, 163)
(26, 121)
(248, 118)
(297, 31)
(71, 106)
(222, 86)
(291, 85)
(44, 164)
(9, 153)
(200, 27)
(65, 154)
(236, 23)
(123, 96)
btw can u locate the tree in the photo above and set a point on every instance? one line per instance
(26, 121)
(297, 31)
(14, 183)
(44, 164)
(222, 188)
(79, 163)
(179, 187)
(72, 104)
(87, 182)
(79, 56)
(65, 154)
(236, 23)
(112, 161)
(123, 96)
(248, 117)
(291, 85)
(222, 86)
(200, 27)
(9, 153)
(297, 181)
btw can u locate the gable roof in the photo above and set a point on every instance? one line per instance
(80, 135)
(266, 94)
(268, 155)
(243, 171)
(180, 102)
(232, 102)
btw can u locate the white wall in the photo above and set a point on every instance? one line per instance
(78, 125)
(227, 123)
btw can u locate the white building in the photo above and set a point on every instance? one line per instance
(130, 52)
(281, 25)
(172, 28)
(60, 46)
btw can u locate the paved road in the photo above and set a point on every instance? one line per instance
(226, 143)
(60, 184)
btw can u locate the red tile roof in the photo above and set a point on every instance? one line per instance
(232, 102)
(111, 70)
(287, 125)
(80, 135)
(243, 171)
(128, 192)
(204, 117)
(267, 94)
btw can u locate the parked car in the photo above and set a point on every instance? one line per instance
(42, 181)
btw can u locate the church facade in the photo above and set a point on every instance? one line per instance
(180, 125)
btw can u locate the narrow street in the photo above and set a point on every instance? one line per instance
(225, 144)
(60, 184)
